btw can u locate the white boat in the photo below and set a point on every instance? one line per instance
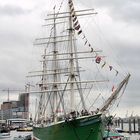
(5, 135)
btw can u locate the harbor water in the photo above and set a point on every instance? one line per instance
(132, 136)
(16, 134)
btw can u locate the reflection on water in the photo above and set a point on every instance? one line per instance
(132, 136)
(16, 134)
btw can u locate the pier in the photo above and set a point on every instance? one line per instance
(128, 125)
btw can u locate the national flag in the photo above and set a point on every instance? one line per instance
(98, 59)
(110, 67)
(103, 64)
(117, 72)
(77, 27)
(74, 19)
(79, 32)
(75, 24)
(91, 50)
(113, 88)
(85, 42)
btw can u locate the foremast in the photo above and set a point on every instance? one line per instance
(55, 68)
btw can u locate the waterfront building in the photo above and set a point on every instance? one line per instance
(15, 109)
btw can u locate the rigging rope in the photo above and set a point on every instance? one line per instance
(77, 28)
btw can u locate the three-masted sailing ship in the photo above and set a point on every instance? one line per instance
(64, 111)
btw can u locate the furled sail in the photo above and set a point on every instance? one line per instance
(115, 94)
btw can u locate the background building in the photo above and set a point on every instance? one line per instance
(15, 109)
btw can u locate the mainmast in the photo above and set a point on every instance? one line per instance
(74, 58)
(56, 90)
(72, 76)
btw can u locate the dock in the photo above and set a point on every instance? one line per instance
(128, 125)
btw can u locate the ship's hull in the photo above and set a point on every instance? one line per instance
(84, 128)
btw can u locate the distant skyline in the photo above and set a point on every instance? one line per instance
(20, 24)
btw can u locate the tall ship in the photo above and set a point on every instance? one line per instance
(72, 82)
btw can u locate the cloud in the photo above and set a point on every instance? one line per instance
(126, 10)
(129, 12)
(12, 10)
(120, 25)
(119, 21)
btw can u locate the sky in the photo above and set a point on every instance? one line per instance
(20, 24)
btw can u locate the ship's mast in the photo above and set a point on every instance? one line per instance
(73, 55)
(42, 87)
(54, 68)
(56, 89)
(72, 76)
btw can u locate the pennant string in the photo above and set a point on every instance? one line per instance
(104, 64)
(86, 42)
(75, 24)
(77, 27)
(79, 31)
(91, 50)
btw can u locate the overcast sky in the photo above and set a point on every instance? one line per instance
(20, 22)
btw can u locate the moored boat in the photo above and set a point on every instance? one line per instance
(64, 111)
(110, 135)
(4, 133)
(25, 129)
